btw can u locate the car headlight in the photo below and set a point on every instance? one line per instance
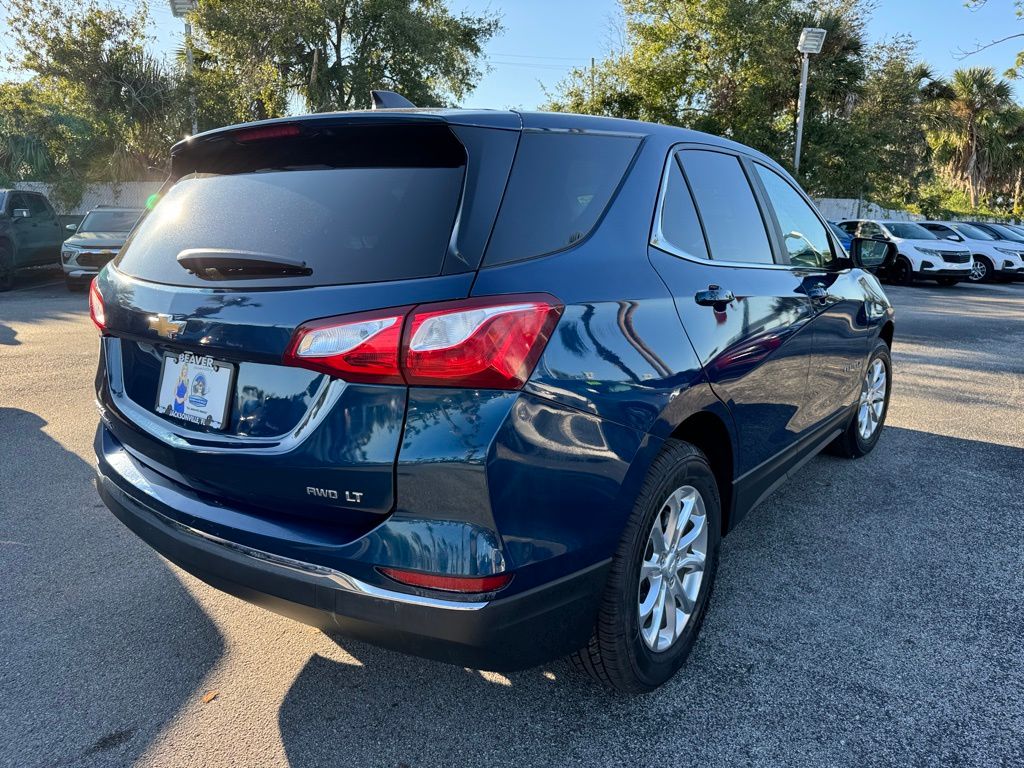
(1010, 252)
(68, 252)
(929, 251)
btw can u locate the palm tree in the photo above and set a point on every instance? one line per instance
(968, 134)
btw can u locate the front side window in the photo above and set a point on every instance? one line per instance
(804, 235)
(679, 223)
(732, 220)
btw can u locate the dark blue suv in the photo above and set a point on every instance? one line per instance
(485, 387)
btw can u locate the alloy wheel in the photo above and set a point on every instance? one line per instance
(672, 568)
(979, 270)
(872, 399)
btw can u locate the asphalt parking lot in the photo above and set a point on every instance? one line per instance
(868, 613)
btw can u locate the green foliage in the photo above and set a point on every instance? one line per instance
(333, 52)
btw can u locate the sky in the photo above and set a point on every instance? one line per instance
(543, 39)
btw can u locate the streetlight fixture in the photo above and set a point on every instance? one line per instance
(179, 8)
(811, 41)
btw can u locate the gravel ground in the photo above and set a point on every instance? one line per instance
(868, 613)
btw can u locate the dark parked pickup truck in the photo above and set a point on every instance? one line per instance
(30, 233)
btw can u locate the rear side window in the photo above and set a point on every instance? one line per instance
(560, 185)
(680, 226)
(732, 220)
(357, 206)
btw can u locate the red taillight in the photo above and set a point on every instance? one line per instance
(478, 342)
(488, 343)
(448, 583)
(266, 132)
(360, 347)
(96, 312)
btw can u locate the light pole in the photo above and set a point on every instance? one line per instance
(180, 8)
(811, 40)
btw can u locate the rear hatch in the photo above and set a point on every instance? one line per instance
(264, 228)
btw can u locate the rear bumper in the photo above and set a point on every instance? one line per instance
(501, 634)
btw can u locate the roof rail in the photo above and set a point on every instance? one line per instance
(390, 100)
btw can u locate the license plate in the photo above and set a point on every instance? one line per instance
(196, 389)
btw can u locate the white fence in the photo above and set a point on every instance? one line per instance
(839, 209)
(129, 194)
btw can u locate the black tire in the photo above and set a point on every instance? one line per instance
(902, 271)
(984, 270)
(617, 656)
(851, 444)
(948, 282)
(6, 268)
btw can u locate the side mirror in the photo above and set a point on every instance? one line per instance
(871, 254)
(21, 213)
(71, 227)
(955, 238)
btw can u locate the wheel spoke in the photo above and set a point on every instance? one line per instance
(693, 534)
(658, 539)
(679, 592)
(671, 620)
(653, 594)
(691, 563)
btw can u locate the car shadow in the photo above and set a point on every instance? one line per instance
(101, 643)
(852, 624)
(8, 336)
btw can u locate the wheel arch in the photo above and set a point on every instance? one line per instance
(709, 433)
(886, 334)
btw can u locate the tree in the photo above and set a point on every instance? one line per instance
(730, 67)
(971, 128)
(95, 54)
(333, 52)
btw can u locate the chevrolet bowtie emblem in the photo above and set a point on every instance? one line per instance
(164, 326)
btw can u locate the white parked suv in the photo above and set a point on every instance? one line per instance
(995, 258)
(920, 254)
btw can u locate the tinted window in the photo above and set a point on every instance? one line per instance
(849, 227)
(938, 229)
(1005, 233)
(36, 205)
(17, 201)
(972, 233)
(804, 235)
(869, 229)
(732, 221)
(109, 221)
(560, 185)
(679, 223)
(349, 225)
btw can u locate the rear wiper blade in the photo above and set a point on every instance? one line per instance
(227, 264)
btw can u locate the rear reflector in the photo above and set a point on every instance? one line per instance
(487, 343)
(96, 312)
(448, 583)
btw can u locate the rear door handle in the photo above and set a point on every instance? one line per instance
(715, 296)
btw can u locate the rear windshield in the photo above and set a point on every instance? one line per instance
(349, 219)
(109, 221)
(560, 185)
